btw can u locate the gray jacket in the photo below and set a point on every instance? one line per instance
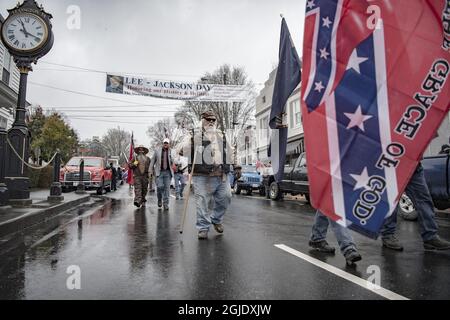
(155, 165)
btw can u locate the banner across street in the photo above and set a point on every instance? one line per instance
(177, 90)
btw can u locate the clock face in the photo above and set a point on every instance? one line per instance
(24, 32)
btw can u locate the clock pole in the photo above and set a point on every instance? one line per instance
(19, 145)
(18, 137)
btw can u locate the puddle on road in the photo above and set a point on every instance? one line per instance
(41, 243)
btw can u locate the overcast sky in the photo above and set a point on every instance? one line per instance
(168, 39)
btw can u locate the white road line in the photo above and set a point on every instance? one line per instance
(345, 275)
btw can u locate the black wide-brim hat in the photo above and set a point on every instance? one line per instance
(141, 147)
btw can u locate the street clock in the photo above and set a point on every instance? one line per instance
(27, 33)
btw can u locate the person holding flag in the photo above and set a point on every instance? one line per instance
(417, 190)
(366, 126)
(287, 79)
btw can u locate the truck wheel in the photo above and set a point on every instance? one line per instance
(274, 191)
(237, 189)
(249, 191)
(406, 208)
(101, 188)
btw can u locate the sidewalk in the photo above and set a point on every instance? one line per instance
(14, 220)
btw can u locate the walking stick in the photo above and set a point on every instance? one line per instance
(186, 201)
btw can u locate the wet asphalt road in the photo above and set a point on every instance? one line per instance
(128, 253)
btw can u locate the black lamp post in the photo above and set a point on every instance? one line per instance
(27, 34)
(80, 188)
(16, 171)
(4, 192)
(55, 189)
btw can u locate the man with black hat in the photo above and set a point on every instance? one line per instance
(161, 169)
(210, 174)
(140, 166)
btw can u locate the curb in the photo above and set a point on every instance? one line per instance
(18, 240)
(27, 220)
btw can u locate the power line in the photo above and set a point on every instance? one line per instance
(79, 93)
(108, 107)
(99, 116)
(106, 72)
(114, 111)
(63, 70)
(81, 69)
(108, 121)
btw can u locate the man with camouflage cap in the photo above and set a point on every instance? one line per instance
(210, 172)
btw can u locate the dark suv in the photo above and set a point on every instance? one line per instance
(295, 181)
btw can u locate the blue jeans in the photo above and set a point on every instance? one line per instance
(417, 191)
(163, 186)
(206, 189)
(179, 184)
(320, 228)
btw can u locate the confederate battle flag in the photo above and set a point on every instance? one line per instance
(130, 179)
(375, 90)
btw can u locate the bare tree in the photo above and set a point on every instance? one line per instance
(92, 148)
(232, 117)
(166, 128)
(116, 143)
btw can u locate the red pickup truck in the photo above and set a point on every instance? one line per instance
(96, 174)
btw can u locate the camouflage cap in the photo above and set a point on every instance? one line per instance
(208, 115)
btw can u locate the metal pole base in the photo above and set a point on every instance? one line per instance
(55, 193)
(55, 189)
(80, 189)
(4, 194)
(20, 203)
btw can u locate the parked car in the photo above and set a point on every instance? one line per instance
(248, 179)
(437, 174)
(97, 175)
(295, 181)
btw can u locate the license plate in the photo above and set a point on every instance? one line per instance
(75, 184)
(255, 186)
